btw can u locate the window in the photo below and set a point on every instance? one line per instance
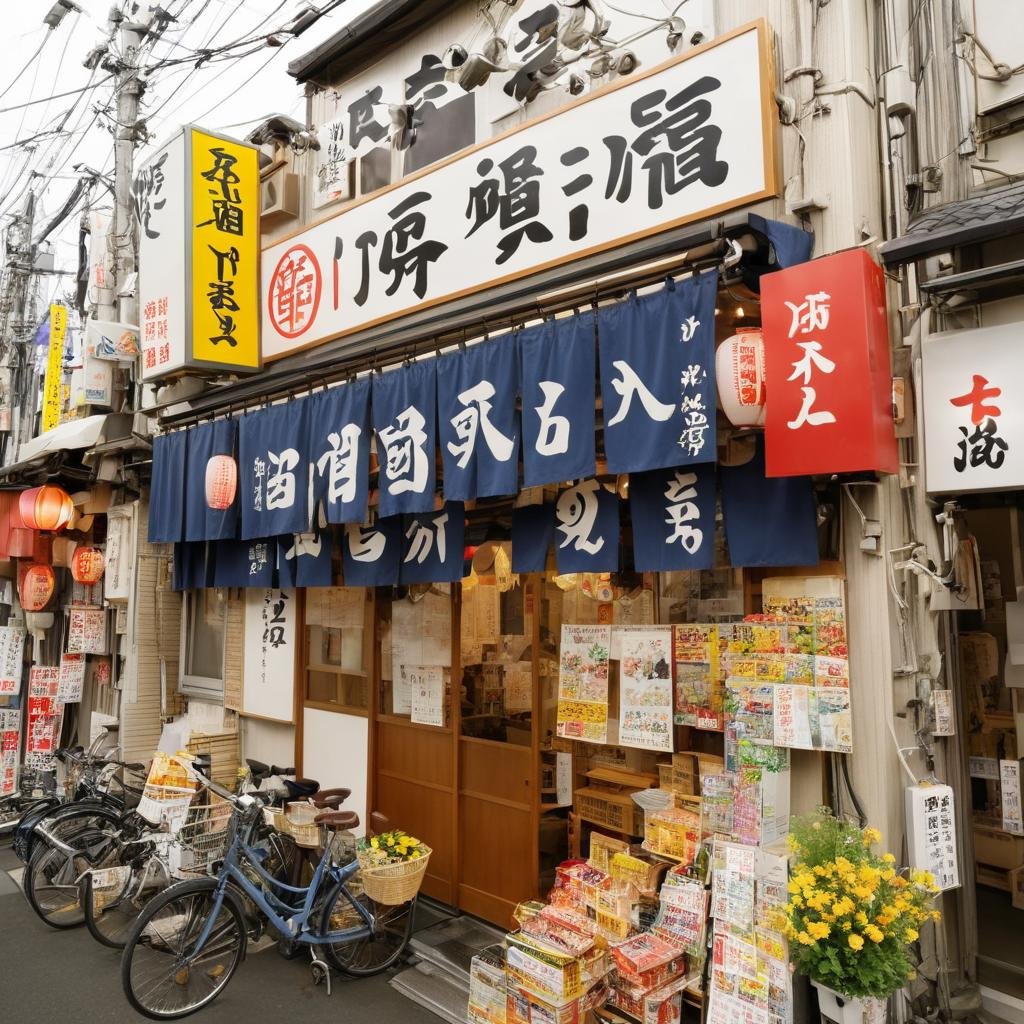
(202, 658)
(338, 634)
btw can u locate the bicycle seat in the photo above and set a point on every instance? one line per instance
(339, 821)
(257, 767)
(332, 798)
(301, 788)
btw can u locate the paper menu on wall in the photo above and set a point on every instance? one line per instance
(87, 631)
(420, 635)
(426, 685)
(71, 679)
(10, 737)
(12, 644)
(336, 607)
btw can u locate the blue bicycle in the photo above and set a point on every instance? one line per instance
(188, 940)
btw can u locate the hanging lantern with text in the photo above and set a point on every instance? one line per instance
(36, 586)
(87, 565)
(221, 481)
(46, 508)
(739, 372)
(826, 349)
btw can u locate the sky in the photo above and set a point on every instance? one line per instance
(231, 96)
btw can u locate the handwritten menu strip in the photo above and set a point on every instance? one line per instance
(71, 678)
(426, 685)
(10, 735)
(87, 630)
(12, 645)
(45, 715)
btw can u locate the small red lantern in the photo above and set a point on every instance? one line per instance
(36, 588)
(46, 508)
(87, 565)
(739, 371)
(221, 481)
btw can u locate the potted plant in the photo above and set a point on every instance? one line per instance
(852, 917)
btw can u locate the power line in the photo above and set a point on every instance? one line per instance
(14, 81)
(55, 96)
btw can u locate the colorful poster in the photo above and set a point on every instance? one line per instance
(71, 679)
(645, 687)
(426, 688)
(752, 707)
(87, 631)
(45, 715)
(699, 684)
(583, 683)
(12, 645)
(10, 736)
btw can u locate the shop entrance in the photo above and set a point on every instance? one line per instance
(993, 734)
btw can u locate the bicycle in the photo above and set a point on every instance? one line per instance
(188, 941)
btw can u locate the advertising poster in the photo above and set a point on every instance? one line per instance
(426, 689)
(71, 678)
(583, 683)
(10, 734)
(699, 684)
(12, 644)
(645, 687)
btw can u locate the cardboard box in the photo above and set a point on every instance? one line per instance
(998, 848)
(487, 990)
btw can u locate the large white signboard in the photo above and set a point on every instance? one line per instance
(973, 417)
(652, 151)
(269, 667)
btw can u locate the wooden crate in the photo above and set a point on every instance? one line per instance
(224, 755)
(614, 811)
(993, 878)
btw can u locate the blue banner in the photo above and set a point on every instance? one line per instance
(209, 445)
(304, 559)
(791, 244)
(339, 450)
(433, 544)
(193, 566)
(587, 529)
(167, 489)
(658, 376)
(245, 563)
(273, 470)
(673, 513)
(768, 522)
(477, 423)
(557, 373)
(405, 421)
(371, 554)
(533, 528)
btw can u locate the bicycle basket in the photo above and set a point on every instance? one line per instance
(204, 837)
(393, 884)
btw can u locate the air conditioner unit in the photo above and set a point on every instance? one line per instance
(279, 198)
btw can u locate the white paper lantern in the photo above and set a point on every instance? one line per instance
(739, 370)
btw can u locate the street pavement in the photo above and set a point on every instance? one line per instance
(49, 977)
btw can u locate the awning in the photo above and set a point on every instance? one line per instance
(68, 436)
(982, 218)
(47, 451)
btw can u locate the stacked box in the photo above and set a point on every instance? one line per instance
(643, 965)
(488, 995)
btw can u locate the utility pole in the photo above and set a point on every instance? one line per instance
(14, 327)
(120, 239)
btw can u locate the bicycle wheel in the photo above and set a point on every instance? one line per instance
(161, 976)
(51, 883)
(392, 928)
(113, 898)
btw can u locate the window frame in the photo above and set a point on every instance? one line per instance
(190, 684)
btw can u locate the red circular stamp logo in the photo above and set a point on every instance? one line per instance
(294, 295)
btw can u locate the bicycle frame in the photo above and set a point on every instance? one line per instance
(290, 921)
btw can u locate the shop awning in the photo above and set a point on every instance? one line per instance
(77, 436)
(69, 436)
(982, 218)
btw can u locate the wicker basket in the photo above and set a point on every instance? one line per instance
(393, 884)
(305, 834)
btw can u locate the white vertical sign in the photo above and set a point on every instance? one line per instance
(931, 833)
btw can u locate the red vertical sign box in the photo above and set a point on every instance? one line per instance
(827, 369)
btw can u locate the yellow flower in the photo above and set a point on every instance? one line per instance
(797, 901)
(864, 892)
(856, 942)
(846, 926)
(872, 835)
(375, 843)
(413, 841)
(889, 858)
(415, 854)
(390, 840)
(936, 915)
(819, 929)
(889, 874)
(873, 933)
(910, 935)
(861, 918)
(804, 939)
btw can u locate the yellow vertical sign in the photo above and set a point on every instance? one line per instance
(54, 367)
(225, 232)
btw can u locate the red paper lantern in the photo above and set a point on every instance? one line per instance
(87, 565)
(739, 371)
(221, 481)
(46, 508)
(37, 585)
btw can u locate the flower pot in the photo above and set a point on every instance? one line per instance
(838, 1008)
